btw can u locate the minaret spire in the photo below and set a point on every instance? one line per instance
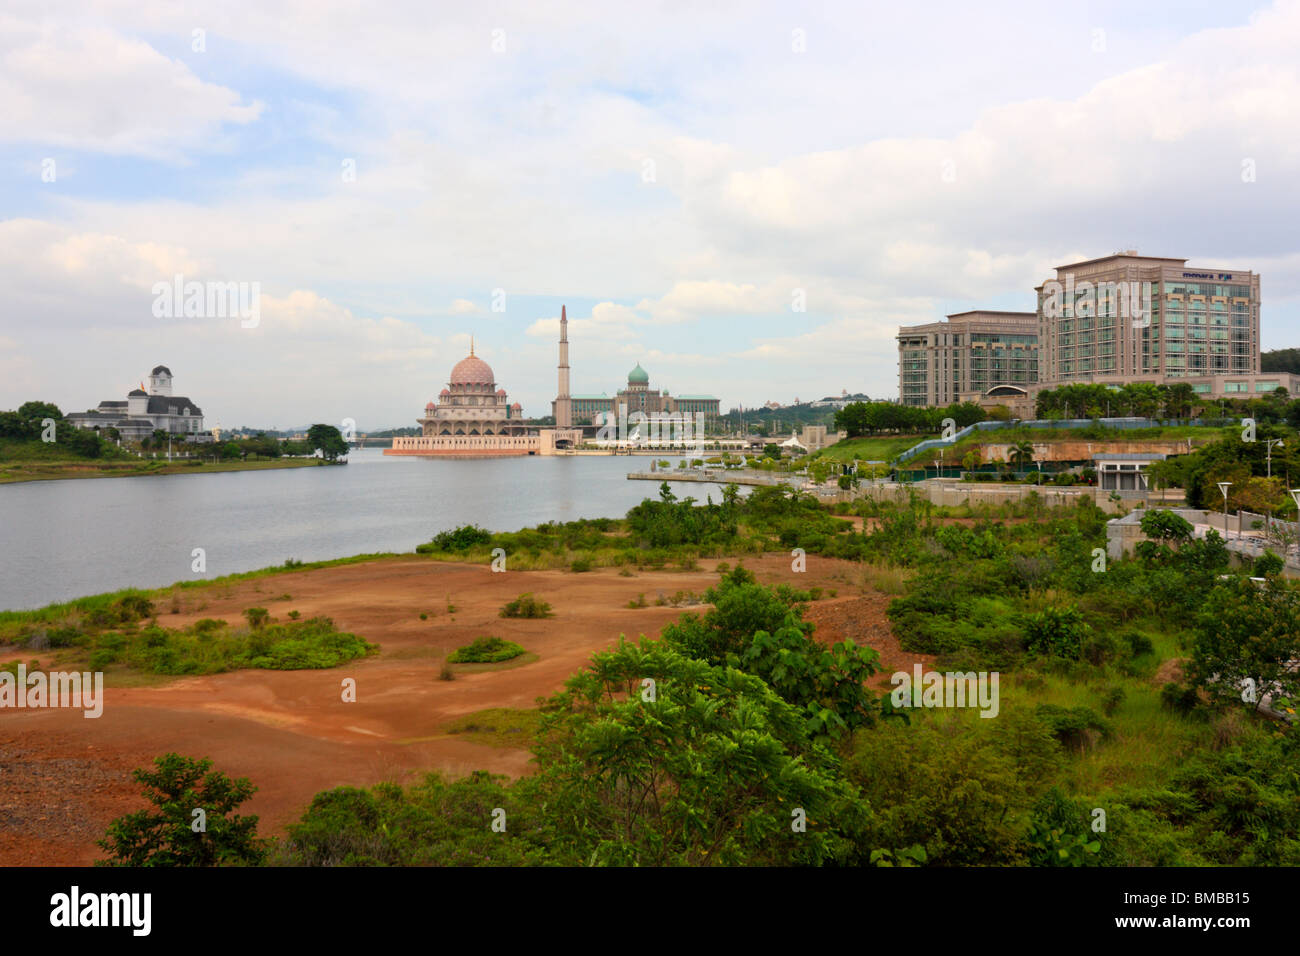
(563, 402)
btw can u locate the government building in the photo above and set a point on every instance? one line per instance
(638, 396)
(143, 413)
(587, 410)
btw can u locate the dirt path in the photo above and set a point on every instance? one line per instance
(64, 777)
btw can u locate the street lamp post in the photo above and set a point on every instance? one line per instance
(1268, 455)
(1295, 494)
(1223, 487)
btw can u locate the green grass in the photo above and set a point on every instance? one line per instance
(117, 638)
(486, 650)
(498, 727)
(526, 606)
(880, 448)
(52, 469)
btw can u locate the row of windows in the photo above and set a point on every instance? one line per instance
(1205, 288)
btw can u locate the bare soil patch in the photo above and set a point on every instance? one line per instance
(64, 777)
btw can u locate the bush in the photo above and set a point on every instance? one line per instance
(1138, 644)
(486, 650)
(526, 606)
(1268, 564)
(458, 539)
(1057, 631)
(163, 835)
(1180, 698)
(1074, 727)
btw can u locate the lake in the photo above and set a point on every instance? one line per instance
(69, 538)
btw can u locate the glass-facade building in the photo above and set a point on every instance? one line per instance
(961, 358)
(1126, 318)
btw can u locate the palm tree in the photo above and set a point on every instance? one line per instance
(1022, 453)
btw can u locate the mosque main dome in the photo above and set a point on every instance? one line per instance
(472, 370)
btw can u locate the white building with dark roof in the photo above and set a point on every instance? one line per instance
(145, 412)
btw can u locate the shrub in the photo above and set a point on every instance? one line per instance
(257, 617)
(526, 606)
(163, 835)
(1180, 698)
(101, 659)
(1268, 564)
(1057, 631)
(458, 539)
(1138, 644)
(1074, 727)
(486, 650)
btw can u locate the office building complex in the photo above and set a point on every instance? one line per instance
(1128, 318)
(961, 358)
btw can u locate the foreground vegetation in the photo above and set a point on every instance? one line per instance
(736, 737)
(124, 634)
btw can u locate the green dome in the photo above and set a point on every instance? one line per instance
(638, 376)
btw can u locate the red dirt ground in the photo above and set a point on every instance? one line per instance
(63, 777)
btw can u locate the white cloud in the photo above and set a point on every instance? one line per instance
(72, 85)
(522, 171)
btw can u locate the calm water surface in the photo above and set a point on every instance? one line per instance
(69, 538)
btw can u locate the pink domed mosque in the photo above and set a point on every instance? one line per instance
(472, 418)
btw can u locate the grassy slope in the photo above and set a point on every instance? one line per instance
(881, 448)
(887, 447)
(42, 470)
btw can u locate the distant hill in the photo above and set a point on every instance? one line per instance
(1280, 360)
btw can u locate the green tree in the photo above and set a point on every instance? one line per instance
(1022, 454)
(170, 834)
(829, 683)
(1248, 632)
(328, 440)
(652, 758)
(37, 411)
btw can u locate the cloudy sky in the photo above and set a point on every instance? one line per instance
(396, 177)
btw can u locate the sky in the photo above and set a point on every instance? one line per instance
(748, 199)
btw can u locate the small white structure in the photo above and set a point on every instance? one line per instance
(1122, 472)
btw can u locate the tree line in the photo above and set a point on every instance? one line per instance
(874, 418)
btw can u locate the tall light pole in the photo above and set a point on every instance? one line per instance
(1295, 494)
(1268, 455)
(1223, 487)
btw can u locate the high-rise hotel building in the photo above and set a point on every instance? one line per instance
(1131, 318)
(961, 358)
(1116, 320)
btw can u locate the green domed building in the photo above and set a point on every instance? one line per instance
(638, 396)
